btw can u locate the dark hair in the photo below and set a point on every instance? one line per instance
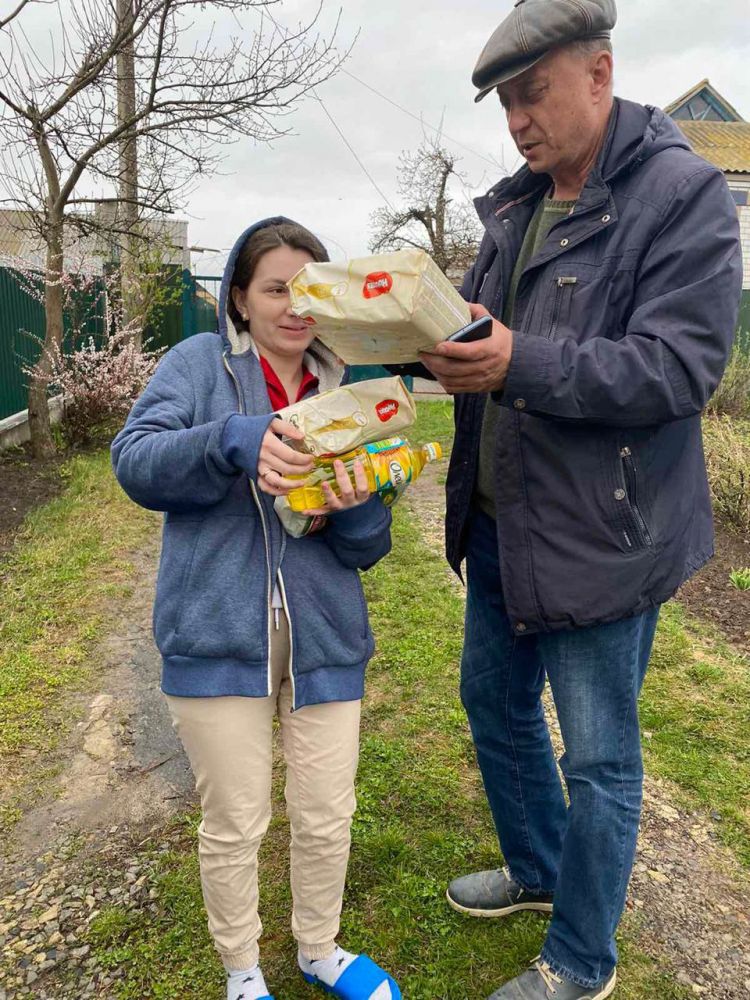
(279, 234)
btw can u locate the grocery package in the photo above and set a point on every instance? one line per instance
(341, 419)
(379, 310)
(390, 466)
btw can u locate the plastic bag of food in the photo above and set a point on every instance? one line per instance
(336, 421)
(379, 310)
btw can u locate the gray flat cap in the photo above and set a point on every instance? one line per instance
(534, 27)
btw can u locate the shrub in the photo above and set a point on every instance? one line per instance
(733, 395)
(727, 443)
(100, 382)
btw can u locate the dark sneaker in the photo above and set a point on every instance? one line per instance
(493, 894)
(541, 983)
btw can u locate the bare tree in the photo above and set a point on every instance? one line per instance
(66, 143)
(431, 219)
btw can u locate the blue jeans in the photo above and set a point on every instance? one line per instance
(584, 852)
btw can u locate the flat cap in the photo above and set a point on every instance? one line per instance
(534, 27)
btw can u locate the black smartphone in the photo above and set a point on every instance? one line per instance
(480, 329)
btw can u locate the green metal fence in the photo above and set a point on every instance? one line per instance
(193, 309)
(22, 332)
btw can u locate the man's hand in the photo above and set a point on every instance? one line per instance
(478, 367)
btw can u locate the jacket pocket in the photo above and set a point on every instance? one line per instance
(634, 528)
(561, 303)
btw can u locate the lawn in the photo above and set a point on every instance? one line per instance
(58, 586)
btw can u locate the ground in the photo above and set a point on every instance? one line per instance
(123, 778)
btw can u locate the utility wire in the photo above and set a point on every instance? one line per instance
(417, 118)
(352, 151)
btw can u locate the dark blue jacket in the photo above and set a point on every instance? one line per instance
(623, 324)
(190, 448)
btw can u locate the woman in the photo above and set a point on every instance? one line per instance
(251, 622)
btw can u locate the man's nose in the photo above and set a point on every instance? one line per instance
(518, 120)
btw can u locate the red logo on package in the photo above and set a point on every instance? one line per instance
(386, 409)
(309, 320)
(377, 283)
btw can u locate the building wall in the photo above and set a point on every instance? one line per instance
(739, 183)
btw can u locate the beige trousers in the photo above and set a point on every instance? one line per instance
(228, 742)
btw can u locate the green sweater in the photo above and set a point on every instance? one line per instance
(544, 218)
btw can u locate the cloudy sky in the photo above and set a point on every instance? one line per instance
(420, 56)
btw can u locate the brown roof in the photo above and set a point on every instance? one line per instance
(725, 144)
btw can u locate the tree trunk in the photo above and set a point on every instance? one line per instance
(131, 304)
(42, 443)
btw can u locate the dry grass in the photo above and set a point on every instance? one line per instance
(732, 398)
(727, 442)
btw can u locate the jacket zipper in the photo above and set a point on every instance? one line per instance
(631, 488)
(291, 640)
(563, 295)
(265, 532)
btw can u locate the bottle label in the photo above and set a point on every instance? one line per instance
(392, 467)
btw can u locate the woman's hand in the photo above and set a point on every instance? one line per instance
(352, 494)
(277, 460)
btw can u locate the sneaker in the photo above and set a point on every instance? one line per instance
(494, 894)
(541, 983)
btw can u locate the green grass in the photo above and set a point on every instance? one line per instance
(421, 819)
(695, 707)
(57, 587)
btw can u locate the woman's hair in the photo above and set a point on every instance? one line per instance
(257, 244)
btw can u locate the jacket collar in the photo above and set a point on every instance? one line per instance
(634, 133)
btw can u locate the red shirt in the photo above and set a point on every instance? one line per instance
(277, 392)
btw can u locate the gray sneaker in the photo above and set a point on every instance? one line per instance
(541, 983)
(493, 894)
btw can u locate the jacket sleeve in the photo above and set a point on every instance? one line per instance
(361, 536)
(678, 338)
(164, 462)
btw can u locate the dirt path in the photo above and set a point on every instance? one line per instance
(689, 898)
(124, 778)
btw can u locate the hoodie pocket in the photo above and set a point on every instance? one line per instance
(634, 528)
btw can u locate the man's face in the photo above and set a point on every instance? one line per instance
(553, 110)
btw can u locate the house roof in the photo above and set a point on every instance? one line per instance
(725, 144)
(704, 88)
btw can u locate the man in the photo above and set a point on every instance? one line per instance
(577, 488)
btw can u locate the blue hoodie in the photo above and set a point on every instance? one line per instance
(190, 448)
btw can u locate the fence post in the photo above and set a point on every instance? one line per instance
(188, 325)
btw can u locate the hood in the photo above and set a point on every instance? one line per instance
(635, 134)
(318, 358)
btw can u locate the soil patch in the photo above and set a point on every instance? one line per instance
(711, 596)
(25, 484)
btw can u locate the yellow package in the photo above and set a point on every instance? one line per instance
(382, 309)
(341, 419)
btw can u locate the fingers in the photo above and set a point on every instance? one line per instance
(271, 481)
(348, 493)
(279, 426)
(280, 458)
(477, 311)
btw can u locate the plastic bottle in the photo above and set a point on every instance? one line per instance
(390, 465)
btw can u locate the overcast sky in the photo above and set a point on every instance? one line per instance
(420, 56)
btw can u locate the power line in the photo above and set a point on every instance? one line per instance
(421, 120)
(352, 151)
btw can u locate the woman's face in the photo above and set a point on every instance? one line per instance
(265, 303)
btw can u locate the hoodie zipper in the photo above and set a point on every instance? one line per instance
(291, 640)
(266, 543)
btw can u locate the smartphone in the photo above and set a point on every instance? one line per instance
(480, 329)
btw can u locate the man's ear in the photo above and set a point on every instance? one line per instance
(602, 73)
